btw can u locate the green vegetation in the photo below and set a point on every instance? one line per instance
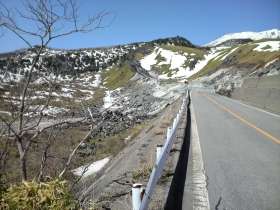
(97, 98)
(117, 76)
(138, 56)
(187, 63)
(199, 53)
(165, 69)
(191, 53)
(246, 55)
(211, 66)
(243, 55)
(223, 52)
(266, 47)
(265, 40)
(53, 195)
(159, 59)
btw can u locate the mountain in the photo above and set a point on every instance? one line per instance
(270, 34)
(113, 75)
(93, 76)
(119, 89)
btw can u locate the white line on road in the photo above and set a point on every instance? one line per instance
(199, 183)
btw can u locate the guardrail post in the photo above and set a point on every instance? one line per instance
(136, 196)
(169, 133)
(174, 125)
(158, 152)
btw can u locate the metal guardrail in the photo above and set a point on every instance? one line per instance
(141, 199)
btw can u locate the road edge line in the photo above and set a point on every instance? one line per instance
(250, 106)
(199, 179)
(245, 121)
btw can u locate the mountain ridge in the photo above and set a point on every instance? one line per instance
(173, 39)
(268, 34)
(92, 74)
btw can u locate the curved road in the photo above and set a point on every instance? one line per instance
(241, 153)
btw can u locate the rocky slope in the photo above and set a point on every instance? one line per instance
(136, 76)
(91, 76)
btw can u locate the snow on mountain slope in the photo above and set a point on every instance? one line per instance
(270, 34)
(65, 63)
(177, 63)
(95, 75)
(268, 46)
(149, 60)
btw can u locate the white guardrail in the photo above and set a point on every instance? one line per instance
(141, 198)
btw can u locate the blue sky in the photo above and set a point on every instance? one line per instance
(200, 21)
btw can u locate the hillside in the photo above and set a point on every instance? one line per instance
(137, 79)
(141, 76)
(126, 88)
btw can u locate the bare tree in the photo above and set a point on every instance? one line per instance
(47, 20)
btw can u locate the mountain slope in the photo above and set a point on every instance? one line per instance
(126, 86)
(91, 75)
(94, 77)
(270, 34)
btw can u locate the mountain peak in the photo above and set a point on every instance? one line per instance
(177, 40)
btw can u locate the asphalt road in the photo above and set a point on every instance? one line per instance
(241, 153)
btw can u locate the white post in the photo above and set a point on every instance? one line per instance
(158, 152)
(169, 133)
(174, 125)
(136, 196)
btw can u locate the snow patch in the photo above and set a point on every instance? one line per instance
(5, 112)
(92, 168)
(149, 60)
(176, 62)
(174, 59)
(270, 34)
(97, 81)
(87, 91)
(50, 110)
(227, 54)
(270, 62)
(109, 101)
(202, 63)
(269, 46)
(45, 93)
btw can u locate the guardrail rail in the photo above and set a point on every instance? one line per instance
(141, 197)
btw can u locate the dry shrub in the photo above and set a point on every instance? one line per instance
(142, 173)
(53, 195)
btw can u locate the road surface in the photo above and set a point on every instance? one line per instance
(240, 146)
